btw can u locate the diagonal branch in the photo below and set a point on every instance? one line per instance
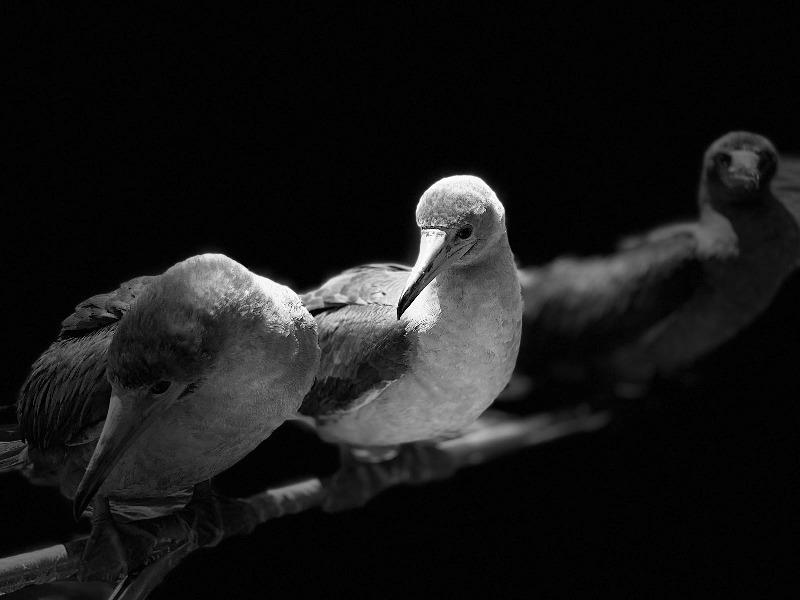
(493, 436)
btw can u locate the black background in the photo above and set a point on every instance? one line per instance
(298, 143)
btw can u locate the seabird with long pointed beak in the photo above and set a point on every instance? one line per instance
(164, 383)
(672, 295)
(410, 354)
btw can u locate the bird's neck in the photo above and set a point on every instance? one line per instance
(467, 292)
(714, 200)
(761, 226)
(714, 208)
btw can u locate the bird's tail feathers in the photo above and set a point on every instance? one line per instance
(13, 455)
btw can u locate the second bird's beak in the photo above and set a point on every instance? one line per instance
(438, 249)
(743, 173)
(128, 417)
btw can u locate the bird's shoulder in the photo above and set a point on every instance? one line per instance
(679, 229)
(376, 283)
(66, 390)
(105, 309)
(364, 346)
(619, 294)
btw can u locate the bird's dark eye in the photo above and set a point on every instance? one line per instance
(464, 232)
(723, 159)
(159, 388)
(189, 389)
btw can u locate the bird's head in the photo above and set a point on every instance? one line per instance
(738, 167)
(460, 220)
(163, 349)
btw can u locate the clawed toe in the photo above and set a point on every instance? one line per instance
(114, 549)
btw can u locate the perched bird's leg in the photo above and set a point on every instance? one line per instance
(205, 516)
(366, 472)
(201, 524)
(114, 549)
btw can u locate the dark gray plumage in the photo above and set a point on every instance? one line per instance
(671, 295)
(64, 400)
(590, 305)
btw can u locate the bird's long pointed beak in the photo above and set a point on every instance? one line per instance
(743, 173)
(126, 420)
(438, 249)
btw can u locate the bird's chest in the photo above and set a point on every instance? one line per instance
(463, 354)
(742, 283)
(471, 355)
(194, 441)
(737, 286)
(752, 276)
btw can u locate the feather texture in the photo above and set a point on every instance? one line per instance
(363, 345)
(12, 455)
(66, 390)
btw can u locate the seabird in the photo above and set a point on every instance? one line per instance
(165, 382)
(410, 354)
(674, 294)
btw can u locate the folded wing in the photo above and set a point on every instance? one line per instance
(66, 390)
(576, 305)
(364, 346)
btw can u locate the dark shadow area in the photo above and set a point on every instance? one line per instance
(298, 144)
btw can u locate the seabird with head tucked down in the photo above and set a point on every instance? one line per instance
(164, 383)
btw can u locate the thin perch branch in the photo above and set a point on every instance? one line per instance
(179, 536)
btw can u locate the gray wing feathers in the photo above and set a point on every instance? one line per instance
(103, 309)
(597, 301)
(66, 390)
(364, 346)
(367, 284)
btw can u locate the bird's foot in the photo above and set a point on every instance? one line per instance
(114, 549)
(204, 515)
(359, 480)
(199, 524)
